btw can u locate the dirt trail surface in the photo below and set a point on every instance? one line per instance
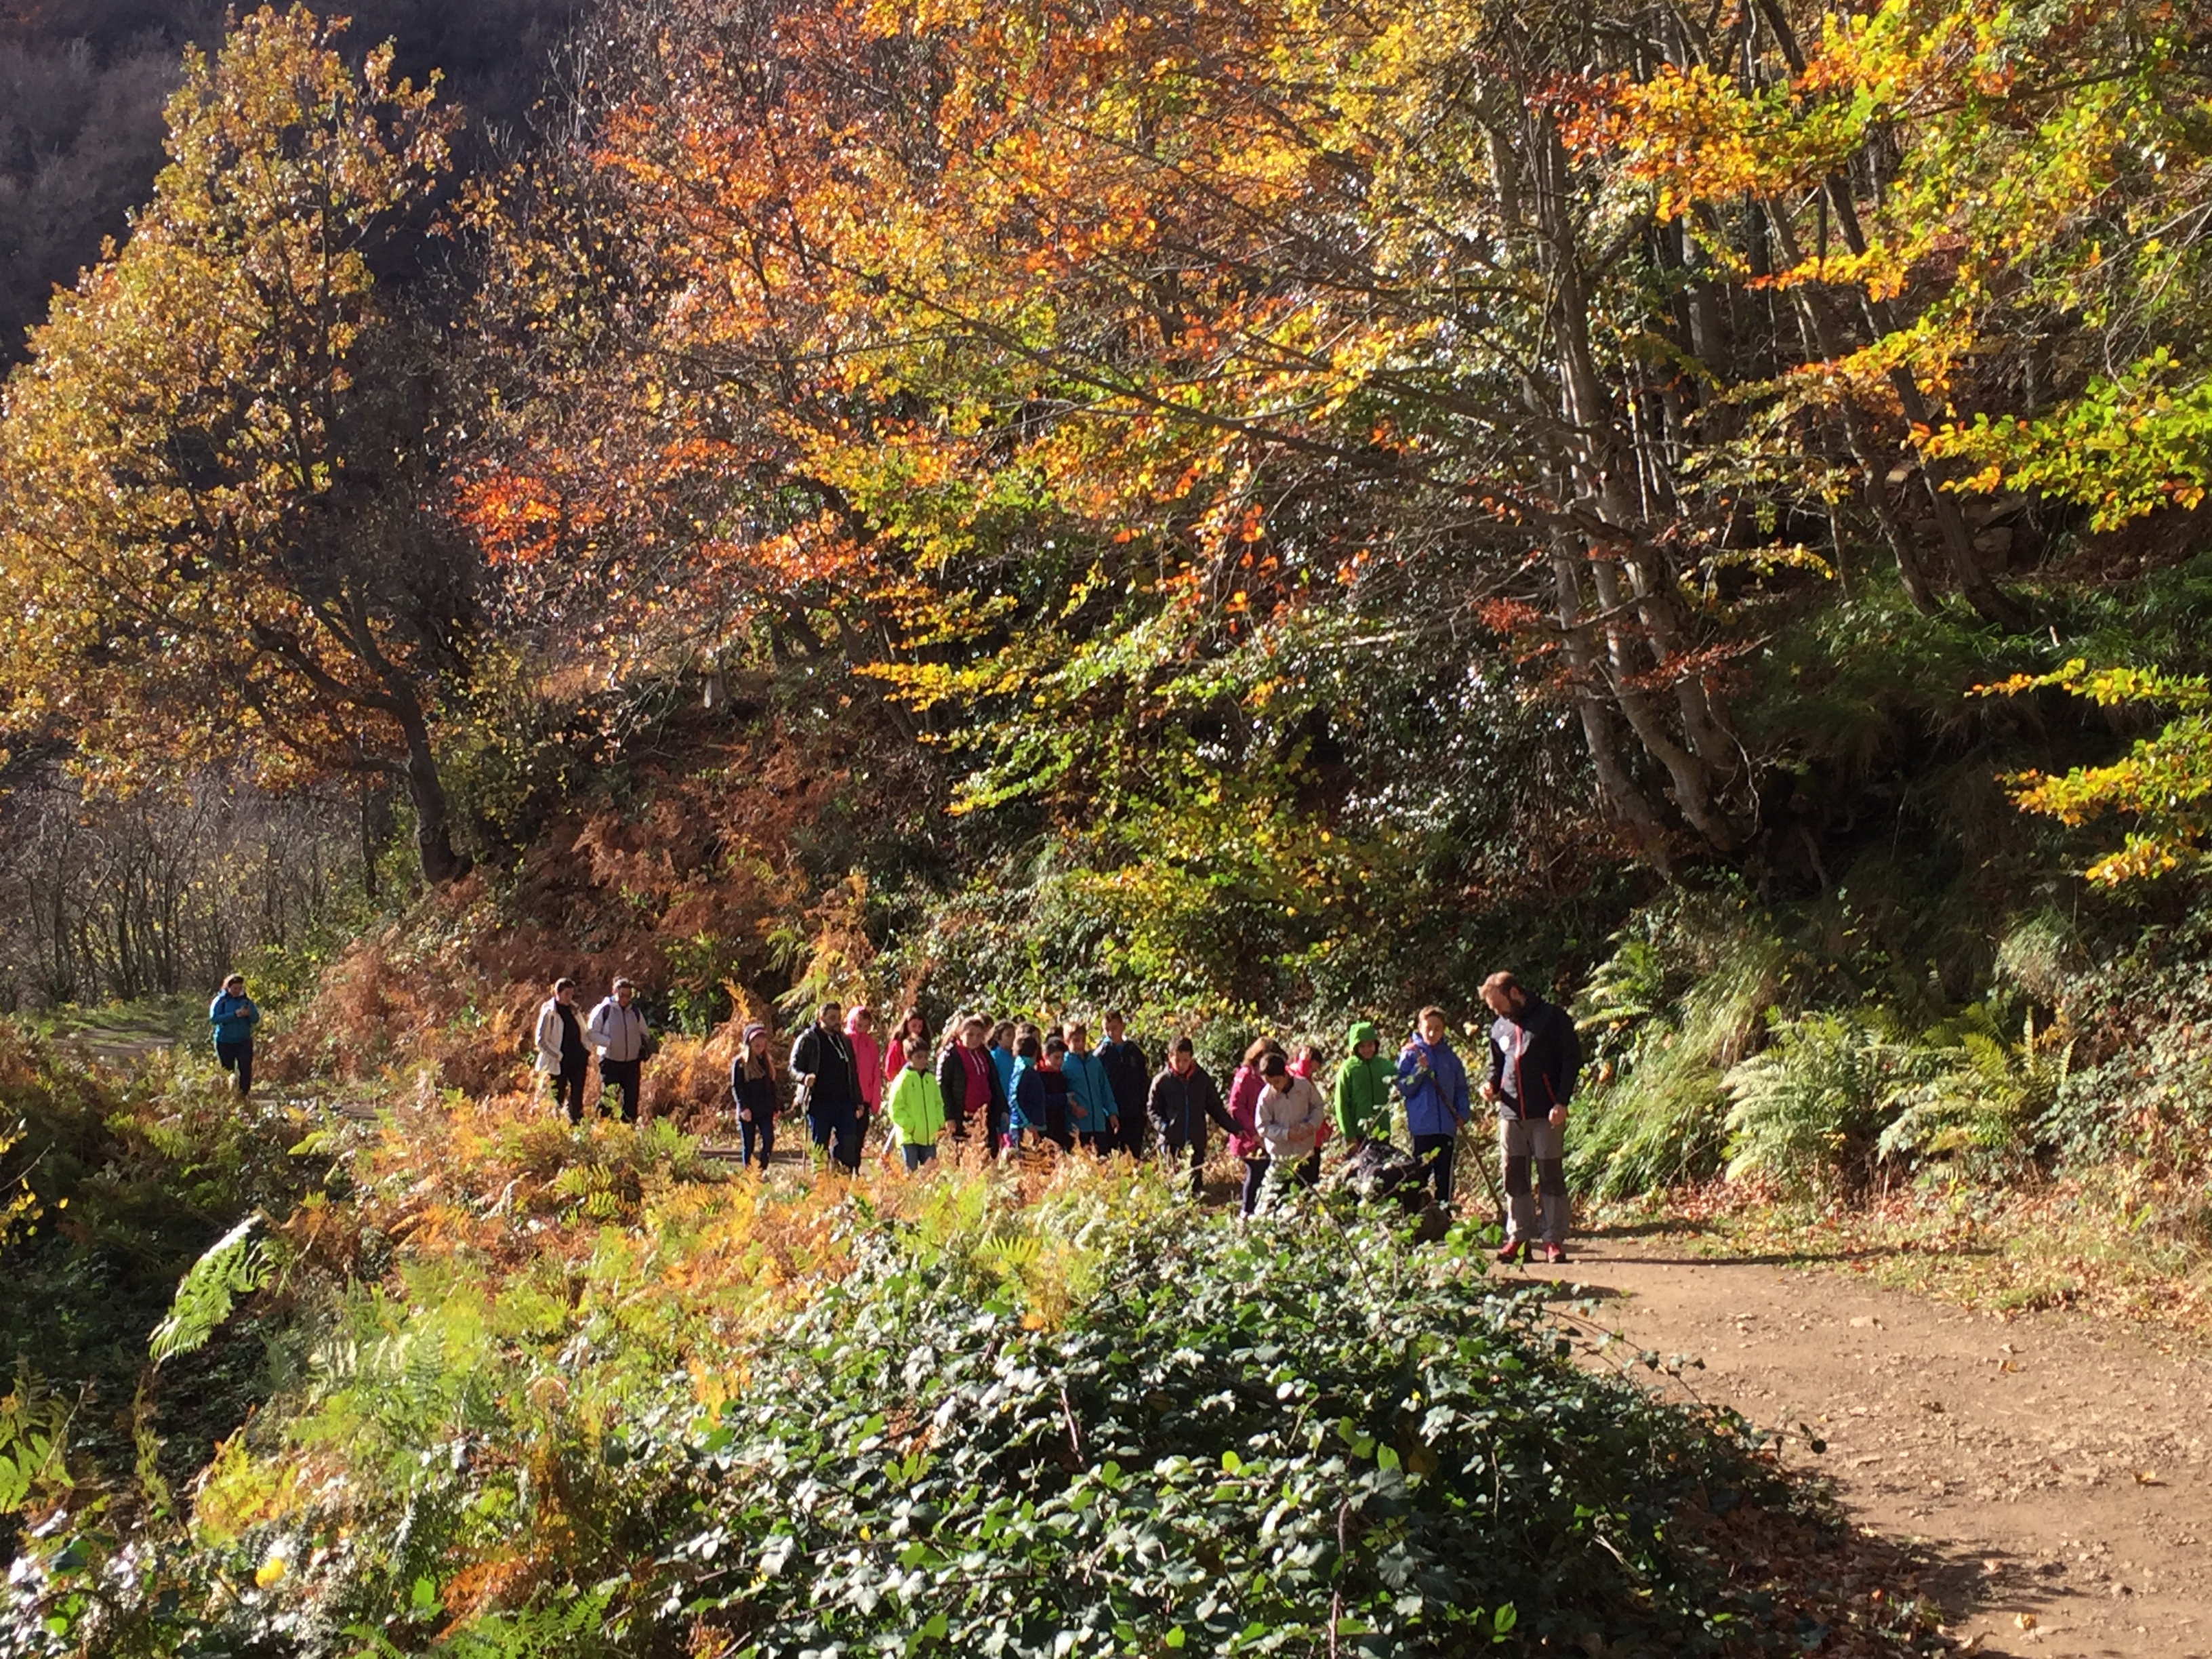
(2055, 1470)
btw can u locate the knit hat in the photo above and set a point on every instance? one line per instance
(755, 1029)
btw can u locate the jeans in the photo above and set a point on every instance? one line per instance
(1438, 1149)
(1523, 1142)
(569, 1088)
(916, 1156)
(629, 1077)
(237, 1059)
(753, 1134)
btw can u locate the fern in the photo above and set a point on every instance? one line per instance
(235, 1266)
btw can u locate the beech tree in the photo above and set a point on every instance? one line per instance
(219, 473)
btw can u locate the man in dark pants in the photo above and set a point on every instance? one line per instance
(1433, 1084)
(233, 1015)
(1129, 1075)
(1182, 1099)
(1535, 1056)
(821, 1060)
(618, 1031)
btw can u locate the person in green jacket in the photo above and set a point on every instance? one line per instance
(1361, 1107)
(916, 1108)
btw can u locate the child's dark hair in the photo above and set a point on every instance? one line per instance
(1026, 1046)
(1182, 1045)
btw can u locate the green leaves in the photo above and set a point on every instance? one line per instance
(235, 1265)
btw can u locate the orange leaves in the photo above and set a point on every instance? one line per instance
(516, 518)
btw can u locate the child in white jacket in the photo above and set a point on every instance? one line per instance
(1290, 1116)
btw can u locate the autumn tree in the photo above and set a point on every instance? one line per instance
(219, 469)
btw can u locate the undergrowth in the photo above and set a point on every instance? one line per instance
(549, 1391)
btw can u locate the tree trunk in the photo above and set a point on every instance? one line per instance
(426, 792)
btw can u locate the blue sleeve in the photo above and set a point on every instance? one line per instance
(252, 1011)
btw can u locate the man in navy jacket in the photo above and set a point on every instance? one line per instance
(1535, 1057)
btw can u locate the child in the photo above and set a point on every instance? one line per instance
(752, 1088)
(859, 1031)
(1001, 1051)
(1025, 1095)
(1362, 1102)
(1434, 1083)
(1244, 1091)
(917, 1108)
(1289, 1117)
(1056, 1100)
(1095, 1115)
(914, 1025)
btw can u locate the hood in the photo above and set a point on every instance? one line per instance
(1362, 1031)
(853, 1016)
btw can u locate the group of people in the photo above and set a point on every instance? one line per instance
(1007, 1082)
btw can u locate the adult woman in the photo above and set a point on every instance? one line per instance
(562, 1055)
(752, 1091)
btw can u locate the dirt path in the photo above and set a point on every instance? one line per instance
(2058, 1471)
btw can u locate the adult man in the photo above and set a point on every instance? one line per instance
(233, 1016)
(1433, 1084)
(821, 1060)
(1183, 1098)
(1533, 1058)
(969, 1082)
(618, 1035)
(561, 1055)
(1128, 1076)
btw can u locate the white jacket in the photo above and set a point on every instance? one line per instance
(548, 1038)
(617, 1032)
(1290, 1120)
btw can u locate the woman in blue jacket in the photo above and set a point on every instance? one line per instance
(233, 1016)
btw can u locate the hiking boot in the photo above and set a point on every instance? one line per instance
(1513, 1251)
(1555, 1255)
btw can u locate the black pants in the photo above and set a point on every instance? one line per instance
(837, 1129)
(758, 1133)
(1438, 1149)
(1175, 1148)
(1101, 1141)
(1306, 1173)
(569, 1088)
(626, 1075)
(1136, 1130)
(237, 1059)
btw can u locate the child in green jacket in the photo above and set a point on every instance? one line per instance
(916, 1108)
(1361, 1107)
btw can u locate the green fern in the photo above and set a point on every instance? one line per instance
(235, 1266)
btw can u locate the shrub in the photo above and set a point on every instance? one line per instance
(1063, 1420)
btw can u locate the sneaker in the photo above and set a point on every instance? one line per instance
(1512, 1252)
(1555, 1255)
